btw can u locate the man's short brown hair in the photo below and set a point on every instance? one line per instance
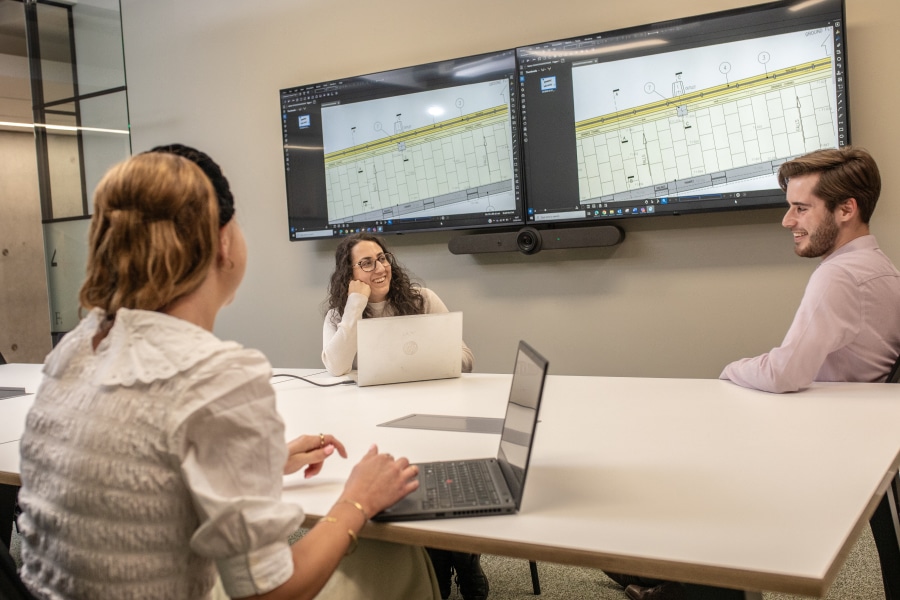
(844, 173)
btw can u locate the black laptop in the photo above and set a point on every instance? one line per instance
(483, 486)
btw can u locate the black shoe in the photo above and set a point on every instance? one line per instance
(626, 580)
(664, 591)
(472, 582)
(443, 569)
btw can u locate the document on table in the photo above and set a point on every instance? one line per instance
(448, 423)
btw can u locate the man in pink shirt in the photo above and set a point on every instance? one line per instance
(847, 327)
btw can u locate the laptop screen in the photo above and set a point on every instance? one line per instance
(521, 417)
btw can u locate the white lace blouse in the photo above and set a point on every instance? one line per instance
(152, 461)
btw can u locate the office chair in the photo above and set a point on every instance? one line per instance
(894, 375)
(886, 528)
(11, 587)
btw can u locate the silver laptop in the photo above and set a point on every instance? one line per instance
(409, 348)
(486, 486)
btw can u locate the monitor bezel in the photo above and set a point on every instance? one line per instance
(536, 205)
(397, 82)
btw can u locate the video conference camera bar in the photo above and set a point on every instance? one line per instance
(529, 240)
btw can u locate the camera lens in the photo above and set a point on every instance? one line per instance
(528, 240)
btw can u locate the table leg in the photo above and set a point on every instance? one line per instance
(535, 580)
(886, 531)
(703, 592)
(8, 494)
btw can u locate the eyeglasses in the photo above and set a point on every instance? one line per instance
(368, 264)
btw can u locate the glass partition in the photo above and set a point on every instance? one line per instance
(81, 129)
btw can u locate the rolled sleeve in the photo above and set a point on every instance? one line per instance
(232, 456)
(255, 573)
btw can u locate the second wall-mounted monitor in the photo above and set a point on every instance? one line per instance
(691, 115)
(420, 148)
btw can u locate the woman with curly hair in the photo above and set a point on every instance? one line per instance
(368, 283)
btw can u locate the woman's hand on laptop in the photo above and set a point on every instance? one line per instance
(310, 451)
(379, 481)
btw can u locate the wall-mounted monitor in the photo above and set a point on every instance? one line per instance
(421, 148)
(690, 115)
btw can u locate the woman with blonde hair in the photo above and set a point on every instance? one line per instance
(153, 455)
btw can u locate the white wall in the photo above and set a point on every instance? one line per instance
(679, 298)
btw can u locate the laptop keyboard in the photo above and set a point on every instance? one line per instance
(458, 483)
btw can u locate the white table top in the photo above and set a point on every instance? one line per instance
(12, 415)
(692, 480)
(27, 376)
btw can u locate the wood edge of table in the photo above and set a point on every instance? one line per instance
(7, 478)
(669, 570)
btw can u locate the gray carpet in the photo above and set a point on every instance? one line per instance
(859, 579)
(510, 579)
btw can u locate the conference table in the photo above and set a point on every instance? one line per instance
(731, 490)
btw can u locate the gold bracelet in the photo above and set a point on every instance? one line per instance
(354, 541)
(359, 507)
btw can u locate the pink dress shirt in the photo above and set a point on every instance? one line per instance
(846, 329)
